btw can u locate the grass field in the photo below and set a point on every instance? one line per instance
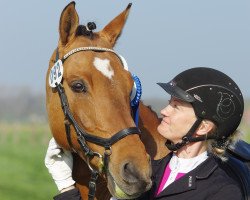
(245, 129)
(22, 171)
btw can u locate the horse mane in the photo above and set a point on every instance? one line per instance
(153, 141)
(151, 109)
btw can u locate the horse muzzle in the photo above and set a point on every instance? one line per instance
(130, 183)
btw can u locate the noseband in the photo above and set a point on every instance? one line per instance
(83, 136)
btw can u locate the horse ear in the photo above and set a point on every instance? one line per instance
(69, 22)
(114, 28)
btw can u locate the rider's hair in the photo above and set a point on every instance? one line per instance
(218, 147)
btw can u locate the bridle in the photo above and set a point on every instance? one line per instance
(83, 136)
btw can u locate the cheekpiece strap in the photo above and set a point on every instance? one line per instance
(186, 139)
(92, 185)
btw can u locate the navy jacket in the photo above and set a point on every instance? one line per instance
(207, 181)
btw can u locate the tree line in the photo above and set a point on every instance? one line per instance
(23, 105)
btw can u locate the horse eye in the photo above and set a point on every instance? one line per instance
(78, 86)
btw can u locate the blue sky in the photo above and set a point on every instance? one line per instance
(161, 38)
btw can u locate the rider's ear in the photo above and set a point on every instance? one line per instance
(69, 22)
(205, 127)
(113, 30)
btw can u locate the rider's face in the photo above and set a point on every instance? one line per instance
(178, 118)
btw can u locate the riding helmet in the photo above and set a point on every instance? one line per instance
(213, 95)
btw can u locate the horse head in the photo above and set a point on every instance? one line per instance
(88, 103)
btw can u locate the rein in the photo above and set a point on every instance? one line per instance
(83, 136)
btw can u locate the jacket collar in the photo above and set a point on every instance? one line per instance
(188, 181)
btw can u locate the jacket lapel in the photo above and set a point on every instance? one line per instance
(189, 181)
(158, 167)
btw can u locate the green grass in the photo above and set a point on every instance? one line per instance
(245, 129)
(22, 171)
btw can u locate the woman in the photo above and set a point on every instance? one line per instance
(200, 121)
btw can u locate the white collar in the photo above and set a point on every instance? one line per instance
(182, 165)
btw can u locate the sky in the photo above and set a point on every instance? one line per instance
(160, 39)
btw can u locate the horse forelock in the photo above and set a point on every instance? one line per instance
(83, 31)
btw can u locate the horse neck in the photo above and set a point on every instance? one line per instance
(153, 141)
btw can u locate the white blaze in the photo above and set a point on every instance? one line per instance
(103, 65)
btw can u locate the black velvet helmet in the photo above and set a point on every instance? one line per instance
(213, 95)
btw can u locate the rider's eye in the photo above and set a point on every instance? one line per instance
(78, 86)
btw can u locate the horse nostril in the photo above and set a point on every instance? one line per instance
(134, 177)
(125, 166)
(129, 172)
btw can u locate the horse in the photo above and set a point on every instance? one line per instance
(88, 89)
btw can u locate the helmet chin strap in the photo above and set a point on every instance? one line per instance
(187, 138)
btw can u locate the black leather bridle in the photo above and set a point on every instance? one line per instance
(83, 136)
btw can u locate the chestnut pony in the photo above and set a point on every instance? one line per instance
(90, 114)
